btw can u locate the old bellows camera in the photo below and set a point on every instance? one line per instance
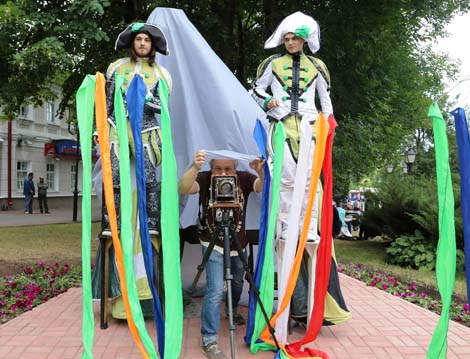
(224, 189)
(224, 198)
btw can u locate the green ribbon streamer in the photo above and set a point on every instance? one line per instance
(85, 99)
(446, 249)
(170, 234)
(126, 217)
(267, 277)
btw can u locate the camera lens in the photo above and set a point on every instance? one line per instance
(226, 188)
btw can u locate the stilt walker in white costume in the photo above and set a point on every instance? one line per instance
(285, 87)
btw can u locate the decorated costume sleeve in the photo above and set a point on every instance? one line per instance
(263, 82)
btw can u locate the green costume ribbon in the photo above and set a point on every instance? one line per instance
(302, 32)
(267, 278)
(170, 234)
(137, 26)
(126, 216)
(446, 249)
(85, 98)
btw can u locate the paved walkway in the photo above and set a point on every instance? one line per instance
(383, 326)
(62, 213)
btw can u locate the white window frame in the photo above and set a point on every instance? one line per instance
(19, 174)
(50, 113)
(52, 177)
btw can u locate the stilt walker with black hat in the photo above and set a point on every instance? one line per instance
(133, 114)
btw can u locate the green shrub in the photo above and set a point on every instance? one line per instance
(409, 204)
(413, 251)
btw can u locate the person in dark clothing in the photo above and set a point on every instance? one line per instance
(193, 182)
(29, 192)
(42, 195)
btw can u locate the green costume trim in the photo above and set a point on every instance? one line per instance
(282, 69)
(265, 102)
(137, 26)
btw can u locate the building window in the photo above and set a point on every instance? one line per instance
(73, 171)
(24, 111)
(21, 173)
(51, 176)
(50, 113)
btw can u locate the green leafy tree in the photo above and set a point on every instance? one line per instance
(383, 77)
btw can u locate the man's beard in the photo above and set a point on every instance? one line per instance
(143, 52)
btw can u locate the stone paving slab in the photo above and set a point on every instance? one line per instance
(383, 326)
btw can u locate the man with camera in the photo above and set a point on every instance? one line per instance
(216, 195)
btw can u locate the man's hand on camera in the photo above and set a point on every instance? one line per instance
(199, 159)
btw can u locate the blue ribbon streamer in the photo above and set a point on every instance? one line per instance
(463, 145)
(135, 98)
(261, 138)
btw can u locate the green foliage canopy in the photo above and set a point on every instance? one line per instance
(383, 77)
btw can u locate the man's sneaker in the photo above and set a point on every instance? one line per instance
(212, 351)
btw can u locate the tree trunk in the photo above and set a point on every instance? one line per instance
(241, 51)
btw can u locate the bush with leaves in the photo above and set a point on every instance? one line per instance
(409, 203)
(413, 251)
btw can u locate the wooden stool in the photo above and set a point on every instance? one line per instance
(106, 242)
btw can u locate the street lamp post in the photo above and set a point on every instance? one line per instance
(73, 130)
(410, 156)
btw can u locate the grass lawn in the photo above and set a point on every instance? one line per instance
(23, 246)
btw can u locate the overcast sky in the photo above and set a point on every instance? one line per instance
(457, 45)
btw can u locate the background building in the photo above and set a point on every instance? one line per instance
(40, 143)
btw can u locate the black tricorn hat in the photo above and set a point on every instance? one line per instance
(125, 38)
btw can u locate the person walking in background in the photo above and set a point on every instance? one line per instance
(42, 195)
(29, 192)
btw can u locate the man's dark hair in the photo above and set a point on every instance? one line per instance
(30, 174)
(134, 56)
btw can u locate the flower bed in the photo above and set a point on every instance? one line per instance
(460, 312)
(35, 285)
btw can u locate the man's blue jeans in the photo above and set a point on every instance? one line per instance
(28, 203)
(210, 312)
